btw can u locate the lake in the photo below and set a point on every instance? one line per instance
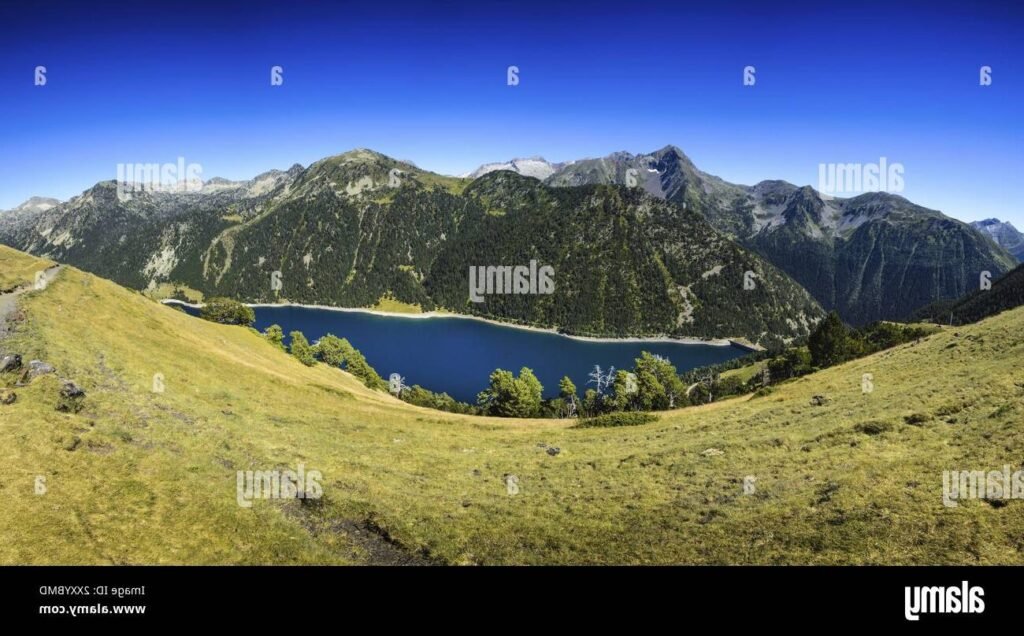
(456, 355)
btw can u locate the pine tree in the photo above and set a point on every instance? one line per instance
(830, 342)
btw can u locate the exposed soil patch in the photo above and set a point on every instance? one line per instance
(380, 547)
(375, 545)
(9, 313)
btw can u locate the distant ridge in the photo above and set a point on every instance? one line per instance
(1004, 234)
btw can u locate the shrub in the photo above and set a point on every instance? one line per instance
(227, 312)
(275, 336)
(732, 385)
(356, 364)
(792, 363)
(764, 391)
(873, 427)
(625, 418)
(301, 349)
(509, 396)
(441, 401)
(331, 349)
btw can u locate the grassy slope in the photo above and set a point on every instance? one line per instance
(18, 268)
(745, 373)
(152, 479)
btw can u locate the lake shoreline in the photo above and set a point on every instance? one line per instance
(717, 342)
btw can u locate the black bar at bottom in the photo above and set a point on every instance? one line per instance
(813, 596)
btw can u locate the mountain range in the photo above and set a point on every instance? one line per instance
(536, 167)
(870, 257)
(1004, 234)
(356, 228)
(641, 244)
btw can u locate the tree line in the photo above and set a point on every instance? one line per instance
(653, 384)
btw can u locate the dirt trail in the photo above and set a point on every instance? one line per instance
(9, 301)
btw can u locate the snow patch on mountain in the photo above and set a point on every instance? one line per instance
(536, 167)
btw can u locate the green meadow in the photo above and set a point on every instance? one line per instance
(146, 472)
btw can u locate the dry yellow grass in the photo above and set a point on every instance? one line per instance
(17, 268)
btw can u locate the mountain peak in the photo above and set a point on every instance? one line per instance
(358, 154)
(535, 166)
(1003, 234)
(773, 186)
(670, 149)
(37, 204)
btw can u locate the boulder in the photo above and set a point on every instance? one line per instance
(71, 398)
(819, 400)
(10, 363)
(37, 368)
(7, 396)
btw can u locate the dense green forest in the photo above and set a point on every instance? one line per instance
(1006, 293)
(355, 229)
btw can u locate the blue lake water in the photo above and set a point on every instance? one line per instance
(456, 355)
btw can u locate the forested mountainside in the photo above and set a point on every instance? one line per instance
(1005, 293)
(870, 257)
(353, 229)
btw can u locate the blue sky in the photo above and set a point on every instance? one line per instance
(427, 82)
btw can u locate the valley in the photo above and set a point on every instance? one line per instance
(455, 354)
(140, 476)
